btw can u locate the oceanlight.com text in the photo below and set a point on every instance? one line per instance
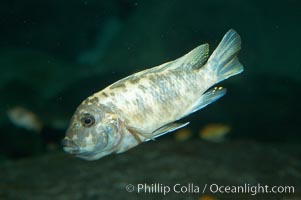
(251, 189)
(192, 188)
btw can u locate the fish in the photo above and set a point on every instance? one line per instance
(207, 197)
(214, 132)
(24, 118)
(148, 104)
(183, 134)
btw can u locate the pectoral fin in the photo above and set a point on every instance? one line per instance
(167, 128)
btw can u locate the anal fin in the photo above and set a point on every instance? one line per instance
(207, 98)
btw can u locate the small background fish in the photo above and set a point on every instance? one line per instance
(214, 132)
(24, 118)
(183, 134)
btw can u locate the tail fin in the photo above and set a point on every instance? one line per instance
(224, 61)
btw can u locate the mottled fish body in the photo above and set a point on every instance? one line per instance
(146, 104)
(156, 98)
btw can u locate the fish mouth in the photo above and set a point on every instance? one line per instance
(72, 150)
(76, 151)
(85, 153)
(80, 153)
(68, 143)
(70, 147)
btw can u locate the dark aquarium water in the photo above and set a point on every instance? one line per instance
(54, 54)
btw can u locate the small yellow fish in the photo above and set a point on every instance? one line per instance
(214, 132)
(24, 118)
(183, 134)
(145, 105)
(207, 197)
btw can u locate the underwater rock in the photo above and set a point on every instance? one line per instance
(59, 176)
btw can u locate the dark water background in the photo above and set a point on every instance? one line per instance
(54, 54)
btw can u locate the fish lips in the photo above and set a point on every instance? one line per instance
(70, 146)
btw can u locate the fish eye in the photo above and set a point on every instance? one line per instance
(87, 120)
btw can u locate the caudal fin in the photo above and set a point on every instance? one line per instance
(224, 61)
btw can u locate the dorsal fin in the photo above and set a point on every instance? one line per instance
(192, 60)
